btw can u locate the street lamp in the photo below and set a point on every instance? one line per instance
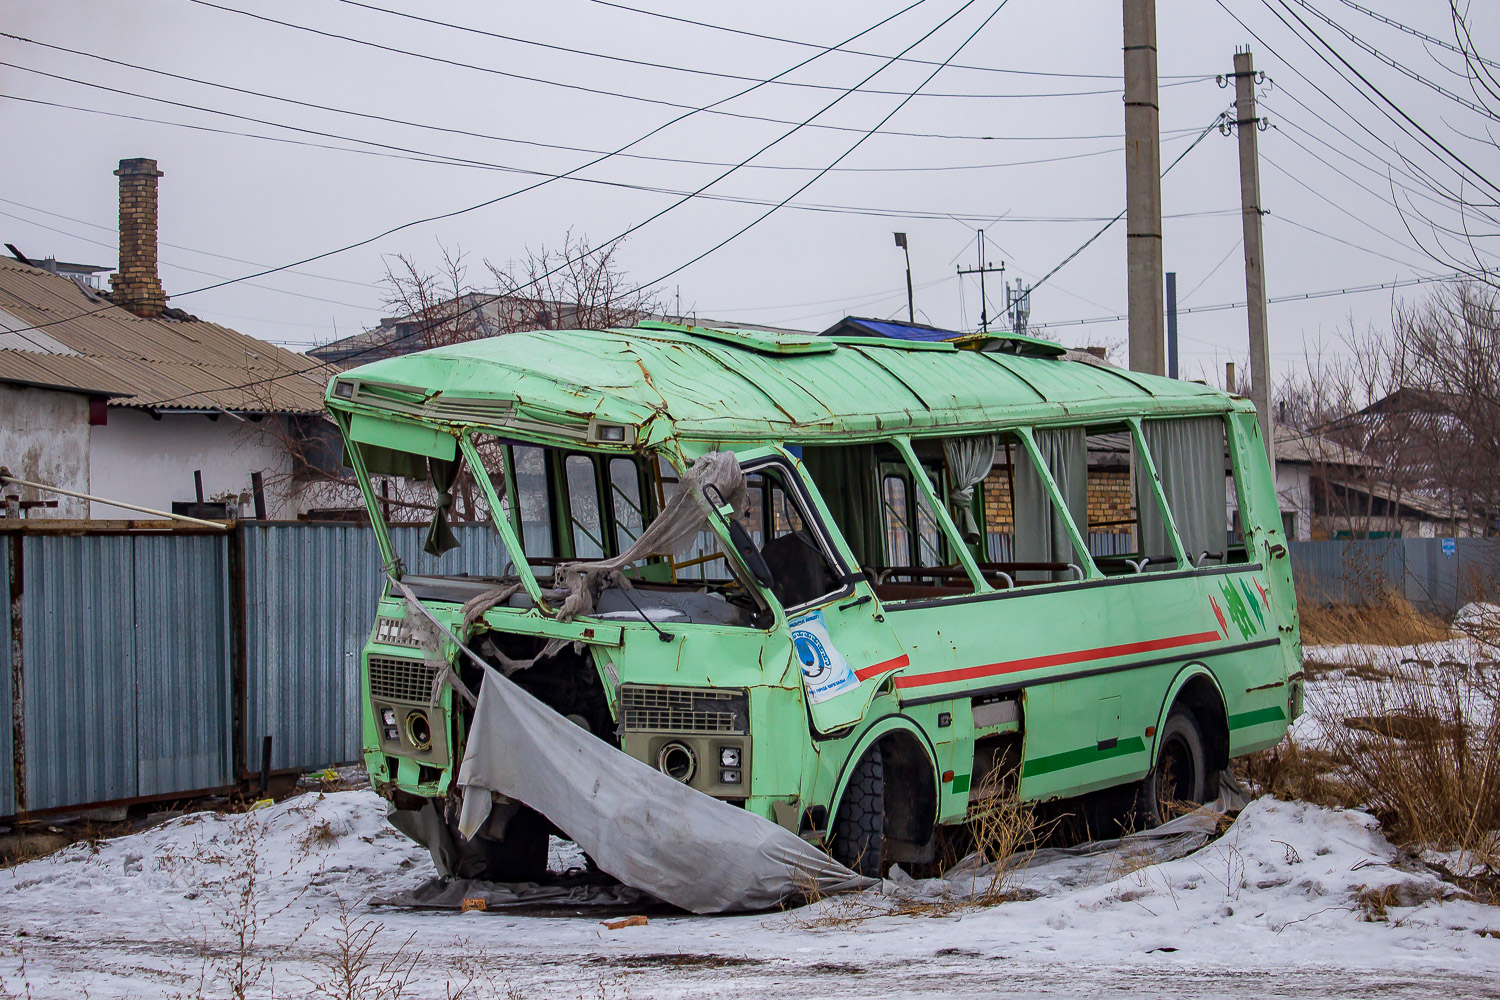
(911, 309)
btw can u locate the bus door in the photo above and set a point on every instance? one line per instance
(839, 638)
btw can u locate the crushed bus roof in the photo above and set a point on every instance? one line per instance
(735, 384)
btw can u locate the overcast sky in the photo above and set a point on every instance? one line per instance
(1039, 82)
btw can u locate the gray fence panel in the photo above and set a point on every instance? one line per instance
(1349, 572)
(310, 596)
(7, 760)
(78, 663)
(184, 734)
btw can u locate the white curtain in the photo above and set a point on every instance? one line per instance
(1041, 530)
(970, 459)
(1189, 457)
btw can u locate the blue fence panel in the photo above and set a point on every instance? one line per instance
(183, 666)
(310, 596)
(78, 669)
(7, 761)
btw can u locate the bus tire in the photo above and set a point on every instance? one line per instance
(859, 825)
(521, 856)
(1182, 773)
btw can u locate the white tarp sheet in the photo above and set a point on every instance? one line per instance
(639, 825)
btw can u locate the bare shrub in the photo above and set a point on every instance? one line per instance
(354, 972)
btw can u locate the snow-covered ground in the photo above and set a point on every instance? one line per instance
(1293, 900)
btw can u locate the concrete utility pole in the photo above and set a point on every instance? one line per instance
(1248, 125)
(1143, 190)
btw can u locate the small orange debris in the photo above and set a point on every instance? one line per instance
(474, 903)
(614, 925)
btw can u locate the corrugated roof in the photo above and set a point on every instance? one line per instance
(69, 372)
(717, 386)
(162, 363)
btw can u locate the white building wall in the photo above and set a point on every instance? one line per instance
(149, 461)
(44, 437)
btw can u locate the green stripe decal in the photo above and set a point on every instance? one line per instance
(960, 783)
(1257, 718)
(1077, 758)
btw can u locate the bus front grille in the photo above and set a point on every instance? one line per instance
(653, 708)
(396, 679)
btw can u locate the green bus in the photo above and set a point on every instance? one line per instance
(955, 569)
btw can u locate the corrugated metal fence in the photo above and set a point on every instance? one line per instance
(151, 664)
(1439, 575)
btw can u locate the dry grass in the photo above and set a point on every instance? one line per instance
(1419, 747)
(1394, 621)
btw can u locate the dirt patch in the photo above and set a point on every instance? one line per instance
(674, 961)
(1403, 726)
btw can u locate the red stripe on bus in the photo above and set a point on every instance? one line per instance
(880, 668)
(1054, 660)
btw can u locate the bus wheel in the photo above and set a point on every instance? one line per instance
(520, 857)
(1180, 780)
(859, 825)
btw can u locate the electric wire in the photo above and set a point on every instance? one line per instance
(1429, 39)
(673, 67)
(469, 133)
(615, 239)
(491, 201)
(191, 270)
(1295, 297)
(1481, 178)
(1110, 224)
(179, 246)
(569, 86)
(1396, 64)
(872, 55)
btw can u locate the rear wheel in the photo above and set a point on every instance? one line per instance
(1181, 779)
(521, 856)
(859, 825)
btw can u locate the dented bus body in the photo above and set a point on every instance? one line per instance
(909, 608)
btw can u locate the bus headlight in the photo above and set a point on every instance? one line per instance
(677, 760)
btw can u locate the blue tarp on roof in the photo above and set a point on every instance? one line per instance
(855, 326)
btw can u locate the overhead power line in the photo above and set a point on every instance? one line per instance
(412, 155)
(1396, 64)
(469, 133)
(482, 204)
(675, 68)
(1481, 178)
(872, 55)
(1429, 39)
(1297, 297)
(544, 81)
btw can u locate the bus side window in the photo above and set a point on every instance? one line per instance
(534, 499)
(1043, 548)
(1189, 454)
(625, 502)
(584, 524)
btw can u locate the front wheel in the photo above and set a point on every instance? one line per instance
(1181, 779)
(520, 857)
(859, 825)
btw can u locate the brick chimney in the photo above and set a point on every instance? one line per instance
(137, 286)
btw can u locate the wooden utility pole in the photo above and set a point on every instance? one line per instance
(1248, 124)
(1143, 190)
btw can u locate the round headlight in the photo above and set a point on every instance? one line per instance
(419, 731)
(677, 760)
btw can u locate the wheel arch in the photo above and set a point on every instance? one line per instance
(1197, 689)
(912, 813)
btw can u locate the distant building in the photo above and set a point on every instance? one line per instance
(116, 394)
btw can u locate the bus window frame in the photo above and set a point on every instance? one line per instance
(1055, 497)
(946, 525)
(814, 515)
